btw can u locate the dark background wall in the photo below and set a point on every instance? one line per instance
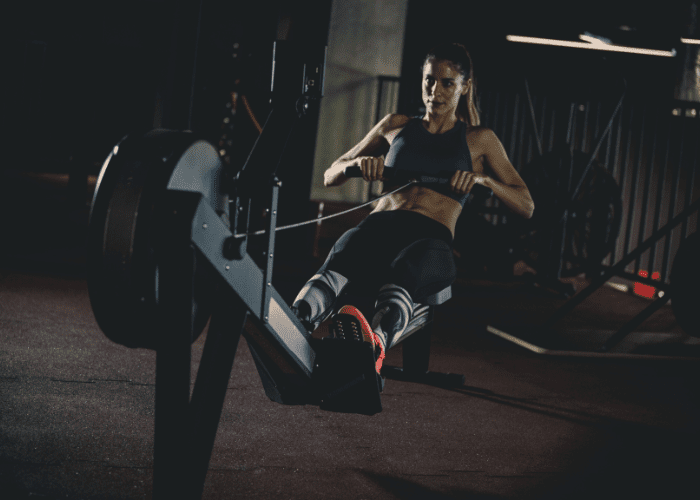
(80, 75)
(500, 64)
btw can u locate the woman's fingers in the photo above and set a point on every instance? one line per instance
(462, 182)
(372, 168)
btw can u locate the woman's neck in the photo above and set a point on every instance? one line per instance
(439, 123)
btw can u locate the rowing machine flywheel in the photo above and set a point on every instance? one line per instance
(122, 262)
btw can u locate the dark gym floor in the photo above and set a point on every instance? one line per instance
(76, 410)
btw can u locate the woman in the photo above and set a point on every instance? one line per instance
(401, 252)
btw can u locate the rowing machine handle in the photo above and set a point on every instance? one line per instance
(479, 191)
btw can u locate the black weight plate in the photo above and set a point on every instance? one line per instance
(685, 285)
(594, 218)
(122, 266)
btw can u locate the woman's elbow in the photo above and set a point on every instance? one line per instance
(332, 180)
(529, 209)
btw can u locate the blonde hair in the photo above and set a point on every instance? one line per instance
(458, 56)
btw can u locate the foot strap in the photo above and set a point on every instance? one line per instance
(394, 310)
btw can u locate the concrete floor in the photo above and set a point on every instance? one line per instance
(76, 410)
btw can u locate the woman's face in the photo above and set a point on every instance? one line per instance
(443, 85)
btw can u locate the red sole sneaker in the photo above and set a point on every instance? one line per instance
(350, 324)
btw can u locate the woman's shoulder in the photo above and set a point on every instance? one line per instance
(482, 137)
(480, 140)
(394, 121)
(480, 132)
(392, 124)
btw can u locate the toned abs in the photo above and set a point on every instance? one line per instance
(422, 200)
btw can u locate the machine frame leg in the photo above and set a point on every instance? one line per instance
(211, 385)
(185, 430)
(173, 360)
(416, 358)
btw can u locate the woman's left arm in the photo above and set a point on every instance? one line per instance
(509, 187)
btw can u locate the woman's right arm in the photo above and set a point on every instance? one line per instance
(366, 154)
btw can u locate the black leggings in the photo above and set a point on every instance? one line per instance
(397, 247)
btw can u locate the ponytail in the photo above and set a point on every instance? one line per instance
(467, 109)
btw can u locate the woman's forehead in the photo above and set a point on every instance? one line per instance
(441, 69)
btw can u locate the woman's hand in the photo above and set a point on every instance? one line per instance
(462, 181)
(372, 168)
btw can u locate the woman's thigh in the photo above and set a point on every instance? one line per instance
(424, 268)
(399, 247)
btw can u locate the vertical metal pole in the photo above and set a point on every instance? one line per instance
(503, 120)
(497, 106)
(586, 125)
(610, 135)
(659, 195)
(646, 196)
(534, 119)
(380, 90)
(624, 178)
(565, 222)
(543, 122)
(617, 172)
(689, 187)
(514, 133)
(521, 137)
(673, 202)
(617, 169)
(553, 127)
(569, 130)
(634, 181)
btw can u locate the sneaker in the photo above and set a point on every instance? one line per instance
(350, 324)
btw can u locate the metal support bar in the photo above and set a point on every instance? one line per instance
(416, 348)
(573, 194)
(185, 430)
(634, 323)
(171, 447)
(270, 257)
(211, 386)
(171, 405)
(534, 119)
(620, 266)
(283, 329)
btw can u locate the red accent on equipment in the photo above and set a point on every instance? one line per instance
(643, 290)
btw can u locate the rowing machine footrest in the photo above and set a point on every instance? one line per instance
(345, 377)
(416, 354)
